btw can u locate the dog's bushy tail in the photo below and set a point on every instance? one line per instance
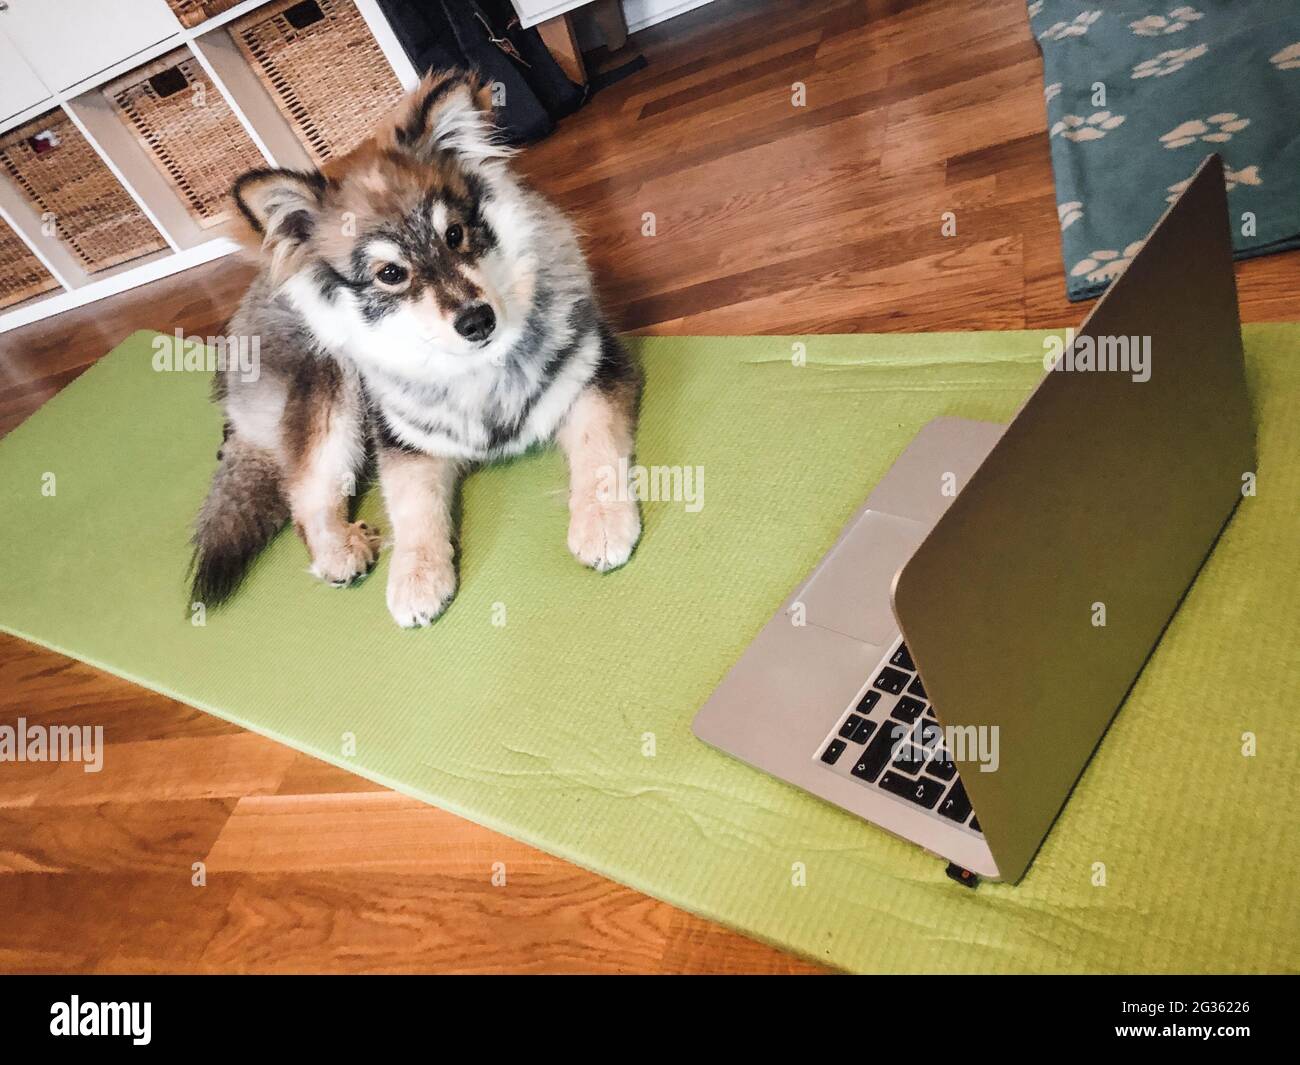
(245, 507)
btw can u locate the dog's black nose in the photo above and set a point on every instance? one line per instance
(476, 322)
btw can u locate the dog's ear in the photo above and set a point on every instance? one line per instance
(282, 207)
(449, 112)
(280, 204)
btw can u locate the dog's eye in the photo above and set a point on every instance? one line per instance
(455, 236)
(391, 274)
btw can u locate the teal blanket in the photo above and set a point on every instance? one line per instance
(1138, 93)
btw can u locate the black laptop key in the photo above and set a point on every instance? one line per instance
(907, 709)
(833, 752)
(902, 659)
(941, 767)
(891, 680)
(930, 734)
(875, 757)
(910, 759)
(868, 702)
(955, 806)
(975, 824)
(863, 732)
(917, 688)
(850, 726)
(923, 792)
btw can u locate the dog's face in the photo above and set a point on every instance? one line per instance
(393, 251)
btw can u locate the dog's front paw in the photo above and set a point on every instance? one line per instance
(420, 586)
(602, 535)
(347, 557)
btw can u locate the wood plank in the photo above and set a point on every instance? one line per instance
(163, 836)
(405, 924)
(72, 922)
(374, 831)
(157, 769)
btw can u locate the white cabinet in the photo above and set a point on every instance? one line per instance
(20, 88)
(67, 41)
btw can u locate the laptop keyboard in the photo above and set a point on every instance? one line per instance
(889, 739)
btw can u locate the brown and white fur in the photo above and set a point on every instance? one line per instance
(417, 301)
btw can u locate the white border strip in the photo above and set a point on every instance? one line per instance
(45, 306)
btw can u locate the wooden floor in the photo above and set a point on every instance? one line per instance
(769, 218)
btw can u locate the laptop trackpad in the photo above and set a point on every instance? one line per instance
(850, 590)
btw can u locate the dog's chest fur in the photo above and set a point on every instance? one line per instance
(511, 397)
(515, 400)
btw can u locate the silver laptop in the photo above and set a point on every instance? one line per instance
(952, 662)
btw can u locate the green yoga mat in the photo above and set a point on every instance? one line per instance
(568, 725)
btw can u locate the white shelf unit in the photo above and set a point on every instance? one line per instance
(188, 244)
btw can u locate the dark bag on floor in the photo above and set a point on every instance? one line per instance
(484, 35)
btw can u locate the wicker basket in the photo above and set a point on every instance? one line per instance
(324, 70)
(195, 140)
(21, 274)
(192, 12)
(59, 173)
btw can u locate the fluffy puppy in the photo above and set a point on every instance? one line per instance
(416, 301)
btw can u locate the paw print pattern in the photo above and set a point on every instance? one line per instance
(1288, 58)
(1167, 63)
(1059, 31)
(1051, 92)
(1092, 128)
(1217, 129)
(1158, 25)
(1232, 178)
(1106, 265)
(1069, 213)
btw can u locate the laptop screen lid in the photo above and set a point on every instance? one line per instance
(1034, 602)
